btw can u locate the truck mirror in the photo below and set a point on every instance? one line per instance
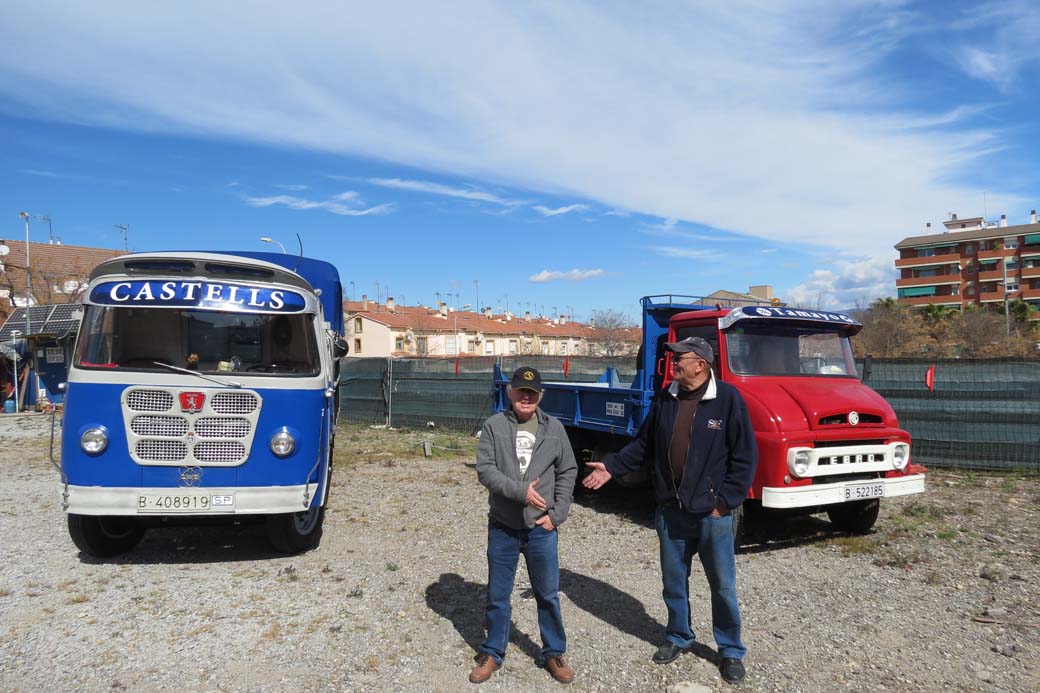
(340, 347)
(868, 364)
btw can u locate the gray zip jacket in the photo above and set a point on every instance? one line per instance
(552, 463)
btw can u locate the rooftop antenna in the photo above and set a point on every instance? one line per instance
(125, 228)
(50, 228)
(985, 207)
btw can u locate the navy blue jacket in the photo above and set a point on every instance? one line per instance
(720, 465)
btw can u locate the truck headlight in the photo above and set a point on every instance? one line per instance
(900, 456)
(282, 443)
(94, 440)
(800, 463)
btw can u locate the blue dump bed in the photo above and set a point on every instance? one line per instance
(609, 405)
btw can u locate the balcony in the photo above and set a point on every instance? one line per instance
(991, 296)
(998, 275)
(931, 301)
(948, 259)
(991, 254)
(1029, 272)
(1029, 294)
(944, 280)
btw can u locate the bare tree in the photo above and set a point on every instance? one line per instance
(614, 334)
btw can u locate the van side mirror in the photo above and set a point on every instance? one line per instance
(868, 365)
(340, 348)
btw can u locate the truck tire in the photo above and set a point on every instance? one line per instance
(857, 517)
(296, 532)
(104, 536)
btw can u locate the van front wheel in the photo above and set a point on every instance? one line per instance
(104, 536)
(296, 532)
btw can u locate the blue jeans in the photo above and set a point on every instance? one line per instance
(681, 535)
(539, 548)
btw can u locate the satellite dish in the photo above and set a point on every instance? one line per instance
(4, 250)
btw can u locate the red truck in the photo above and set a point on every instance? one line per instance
(826, 441)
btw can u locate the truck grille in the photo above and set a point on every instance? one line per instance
(219, 434)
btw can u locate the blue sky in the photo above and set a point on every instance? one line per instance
(558, 154)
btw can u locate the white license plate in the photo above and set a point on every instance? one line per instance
(872, 489)
(185, 502)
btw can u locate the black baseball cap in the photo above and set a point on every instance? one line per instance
(692, 345)
(526, 378)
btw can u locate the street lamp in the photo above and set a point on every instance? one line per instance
(28, 276)
(266, 239)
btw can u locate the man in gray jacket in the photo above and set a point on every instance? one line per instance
(526, 462)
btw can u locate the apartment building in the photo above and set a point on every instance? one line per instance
(972, 262)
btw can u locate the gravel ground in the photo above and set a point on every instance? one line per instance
(943, 596)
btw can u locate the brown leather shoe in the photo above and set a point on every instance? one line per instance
(559, 670)
(486, 666)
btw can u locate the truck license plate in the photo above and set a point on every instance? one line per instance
(873, 489)
(184, 502)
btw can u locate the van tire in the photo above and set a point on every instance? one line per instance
(856, 517)
(296, 532)
(104, 536)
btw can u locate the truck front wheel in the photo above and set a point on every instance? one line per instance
(856, 517)
(296, 532)
(104, 536)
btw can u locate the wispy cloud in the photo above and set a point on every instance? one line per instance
(554, 212)
(686, 253)
(574, 275)
(335, 205)
(39, 172)
(853, 284)
(1011, 49)
(292, 187)
(431, 188)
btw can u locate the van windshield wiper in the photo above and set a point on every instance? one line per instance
(225, 383)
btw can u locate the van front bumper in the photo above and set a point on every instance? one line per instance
(194, 501)
(829, 494)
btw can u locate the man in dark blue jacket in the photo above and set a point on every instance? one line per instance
(698, 439)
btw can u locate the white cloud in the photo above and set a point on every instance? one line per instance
(550, 212)
(854, 284)
(292, 187)
(574, 275)
(1011, 48)
(686, 253)
(334, 205)
(781, 121)
(432, 188)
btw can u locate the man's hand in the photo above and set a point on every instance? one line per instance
(597, 477)
(533, 499)
(546, 523)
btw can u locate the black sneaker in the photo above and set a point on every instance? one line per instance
(732, 670)
(668, 652)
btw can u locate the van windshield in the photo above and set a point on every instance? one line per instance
(776, 349)
(204, 341)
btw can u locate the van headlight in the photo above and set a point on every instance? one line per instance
(800, 462)
(900, 456)
(94, 440)
(282, 443)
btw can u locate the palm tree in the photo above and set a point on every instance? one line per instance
(936, 314)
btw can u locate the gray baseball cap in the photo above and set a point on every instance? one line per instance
(692, 345)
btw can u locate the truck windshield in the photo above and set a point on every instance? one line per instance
(776, 349)
(204, 341)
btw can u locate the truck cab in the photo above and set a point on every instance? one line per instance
(202, 385)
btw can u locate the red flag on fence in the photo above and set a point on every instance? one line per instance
(456, 365)
(566, 366)
(929, 378)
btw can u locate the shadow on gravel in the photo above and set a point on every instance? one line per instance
(197, 544)
(462, 602)
(633, 504)
(772, 530)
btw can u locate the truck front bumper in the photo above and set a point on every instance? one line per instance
(256, 500)
(828, 494)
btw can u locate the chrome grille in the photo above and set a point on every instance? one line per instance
(168, 426)
(234, 402)
(161, 450)
(222, 428)
(219, 451)
(149, 400)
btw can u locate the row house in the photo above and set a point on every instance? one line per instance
(388, 329)
(973, 262)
